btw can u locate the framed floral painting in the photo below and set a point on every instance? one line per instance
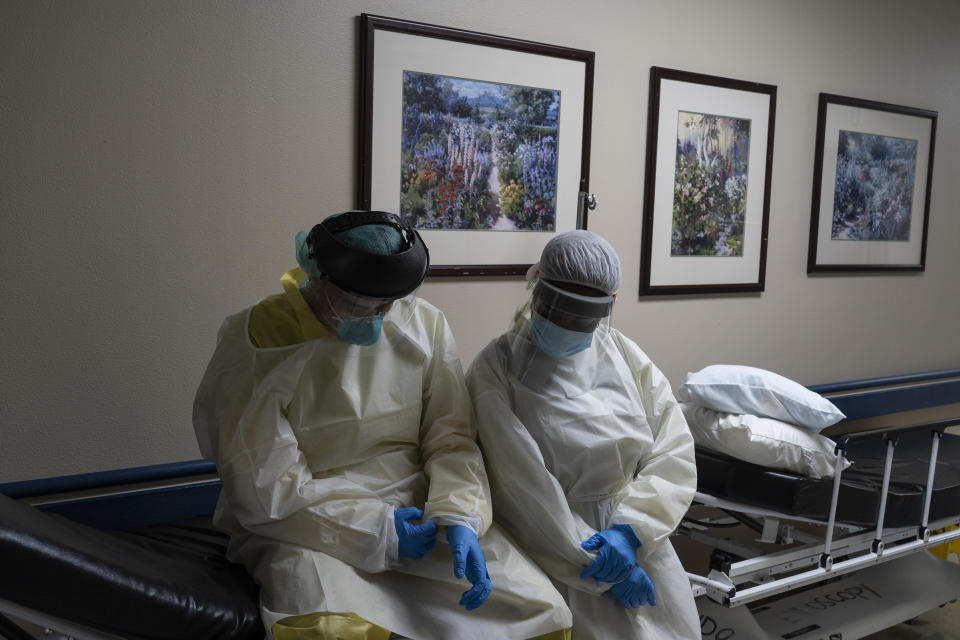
(482, 142)
(707, 195)
(871, 186)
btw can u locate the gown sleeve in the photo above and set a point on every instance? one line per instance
(459, 492)
(666, 477)
(529, 501)
(267, 483)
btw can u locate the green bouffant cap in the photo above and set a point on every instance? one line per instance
(382, 239)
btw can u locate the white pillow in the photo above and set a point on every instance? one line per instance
(764, 441)
(734, 388)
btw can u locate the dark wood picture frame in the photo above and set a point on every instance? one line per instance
(889, 245)
(459, 252)
(664, 272)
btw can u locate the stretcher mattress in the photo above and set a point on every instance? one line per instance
(726, 477)
(157, 583)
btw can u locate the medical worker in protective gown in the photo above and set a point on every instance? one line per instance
(590, 460)
(338, 417)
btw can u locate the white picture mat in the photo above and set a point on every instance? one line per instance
(395, 53)
(885, 123)
(676, 96)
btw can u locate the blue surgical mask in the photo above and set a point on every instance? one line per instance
(554, 340)
(360, 331)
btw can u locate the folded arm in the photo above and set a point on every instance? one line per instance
(666, 478)
(459, 492)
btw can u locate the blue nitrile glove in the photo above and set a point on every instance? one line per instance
(636, 590)
(468, 559)
(416, 540)
(616, 549)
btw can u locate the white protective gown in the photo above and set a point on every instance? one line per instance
(318, 442)
(575, 445)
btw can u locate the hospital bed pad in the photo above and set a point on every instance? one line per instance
(726, 477)
(164, 581)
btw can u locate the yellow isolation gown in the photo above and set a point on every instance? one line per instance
(317, 441)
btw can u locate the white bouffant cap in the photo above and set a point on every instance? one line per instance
(580, 257)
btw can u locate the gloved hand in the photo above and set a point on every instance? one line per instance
(416, 540)
(616, 549)
(635, 590)
(468, 559)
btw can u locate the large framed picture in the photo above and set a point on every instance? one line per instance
(482, 142)
(707, 194)
(871, 186)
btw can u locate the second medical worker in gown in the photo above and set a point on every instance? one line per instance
(339, 420)
(589, 457)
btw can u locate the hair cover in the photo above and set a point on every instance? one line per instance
(381, 239)
(304, 259)
(581, 257)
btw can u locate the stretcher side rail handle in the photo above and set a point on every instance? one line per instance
(934, 425)
(715, 589)
(884, 492)
(765, 567)
(826, 561)
(767, 589)
(923, 533)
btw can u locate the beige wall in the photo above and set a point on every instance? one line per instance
(157, 158)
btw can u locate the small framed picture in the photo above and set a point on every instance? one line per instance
(871, 186)
(709, 156)
(482, 142)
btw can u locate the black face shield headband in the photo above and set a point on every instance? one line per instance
(364, 273)
(570, 310)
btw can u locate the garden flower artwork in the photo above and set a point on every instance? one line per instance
(874, 189)
(478, 155)
(710, 185)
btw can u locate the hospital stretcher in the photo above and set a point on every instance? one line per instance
(841, 557)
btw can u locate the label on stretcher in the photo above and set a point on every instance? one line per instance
(850, 607)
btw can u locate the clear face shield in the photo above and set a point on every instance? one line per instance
(565, 317)
(357, 284)
(357, 319)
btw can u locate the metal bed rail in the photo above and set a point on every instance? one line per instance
(875, 546)
(721, 588)
(758, 569)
